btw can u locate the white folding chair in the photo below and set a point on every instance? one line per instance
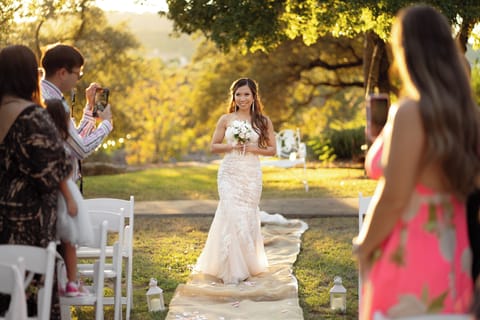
(112, 270)
(12, 277)
(363, 203)
(291, 152)
(117, 205)
(37, 260)
(100, 227)
(378, 316)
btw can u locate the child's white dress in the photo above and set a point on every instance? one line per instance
(76, 230)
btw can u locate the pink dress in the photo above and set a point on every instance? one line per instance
(423, 266)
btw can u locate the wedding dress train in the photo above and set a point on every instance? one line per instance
(237, 248)
(234, 248)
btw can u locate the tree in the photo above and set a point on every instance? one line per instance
(265, 24)
(107, 49)
(8, 9)
(292, 76)
(159, 102)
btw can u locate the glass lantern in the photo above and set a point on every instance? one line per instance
(155, 297)
(338, 295)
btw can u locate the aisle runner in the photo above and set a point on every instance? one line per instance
(270, 295)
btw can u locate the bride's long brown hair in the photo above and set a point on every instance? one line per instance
(259, 120)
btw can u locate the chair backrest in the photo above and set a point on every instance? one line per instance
(288, 141)
(37, 260)
(112, 204)
(363, 203)
(115, 221)
(428, 317)
(12, 277)
(116, 205)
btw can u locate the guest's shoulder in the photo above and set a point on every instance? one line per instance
(36, 117)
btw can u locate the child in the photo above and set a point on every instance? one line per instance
(74, 230)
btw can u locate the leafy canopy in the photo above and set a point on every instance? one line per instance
(263, 24)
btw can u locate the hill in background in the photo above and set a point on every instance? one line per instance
(153, 32)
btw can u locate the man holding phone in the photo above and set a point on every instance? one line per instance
(62, 67)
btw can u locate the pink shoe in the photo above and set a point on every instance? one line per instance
(73, 289)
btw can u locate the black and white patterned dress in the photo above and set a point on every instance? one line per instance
(33, 164)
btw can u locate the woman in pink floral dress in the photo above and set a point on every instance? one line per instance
(413, 250)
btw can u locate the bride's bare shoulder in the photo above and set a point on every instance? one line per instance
(224, 120)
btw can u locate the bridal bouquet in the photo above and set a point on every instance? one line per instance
(241, 132)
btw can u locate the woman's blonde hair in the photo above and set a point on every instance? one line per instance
(433, 71)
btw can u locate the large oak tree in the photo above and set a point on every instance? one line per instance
(265, 24)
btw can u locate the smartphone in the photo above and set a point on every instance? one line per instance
(101, 100)
(377, 112)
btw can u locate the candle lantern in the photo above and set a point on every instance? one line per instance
(155, 297)
(338, 295)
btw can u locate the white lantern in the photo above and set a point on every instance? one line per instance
(155, 297)
(338, 295)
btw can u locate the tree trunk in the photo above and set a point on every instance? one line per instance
(463, 34)
(376, 65)
(38, 50)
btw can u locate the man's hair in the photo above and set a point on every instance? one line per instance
(60, 56)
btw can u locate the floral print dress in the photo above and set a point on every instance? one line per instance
(423, 267)
(33, 164)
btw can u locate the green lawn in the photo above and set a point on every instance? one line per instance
(200, 182)
(165, 248)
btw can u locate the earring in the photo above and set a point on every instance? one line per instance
(253, 107)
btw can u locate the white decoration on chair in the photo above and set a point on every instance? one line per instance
(287, 143)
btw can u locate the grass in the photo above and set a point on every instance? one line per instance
(199, 183)
(166, 248)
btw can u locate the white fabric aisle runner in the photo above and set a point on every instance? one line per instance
(271, 295)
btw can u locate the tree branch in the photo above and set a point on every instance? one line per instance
(325, 65)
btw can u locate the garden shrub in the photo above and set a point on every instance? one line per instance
(344, 144)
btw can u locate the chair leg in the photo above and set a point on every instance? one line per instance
(99, 308)
(129, 291)
(65, 312)
(117, 303)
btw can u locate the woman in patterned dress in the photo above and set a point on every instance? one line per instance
(33, 157)
(413, 250)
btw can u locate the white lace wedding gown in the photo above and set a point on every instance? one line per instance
(234, 249)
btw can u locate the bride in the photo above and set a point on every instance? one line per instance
(234, 248)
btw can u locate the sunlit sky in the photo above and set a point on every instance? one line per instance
(152, 6)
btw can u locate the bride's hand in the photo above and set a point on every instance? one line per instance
(251, 147)
(236, 146)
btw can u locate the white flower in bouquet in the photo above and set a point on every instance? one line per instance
(241, 131)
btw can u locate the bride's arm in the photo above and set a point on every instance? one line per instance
(217, 145)
(271, 148)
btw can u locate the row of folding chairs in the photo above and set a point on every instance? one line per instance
(112, 222)
(112, 255)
